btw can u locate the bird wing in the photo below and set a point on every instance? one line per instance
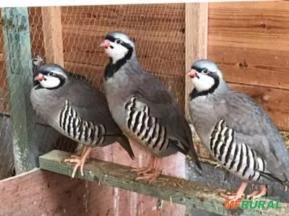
(91, 105)
(254, 127)
(152, 95)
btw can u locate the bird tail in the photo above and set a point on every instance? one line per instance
(192, 155)
(271, 177)
(123, 141)
(188, 150)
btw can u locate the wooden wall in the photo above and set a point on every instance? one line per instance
(250, 42)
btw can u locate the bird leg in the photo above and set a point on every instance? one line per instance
(151, 172)
(79, 161)
(259, 193)
(238, 195)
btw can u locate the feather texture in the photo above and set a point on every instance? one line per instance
(238, 158)
(237, 131)
(78, 111)
(145, 110)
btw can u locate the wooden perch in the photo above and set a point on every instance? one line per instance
(165, 187)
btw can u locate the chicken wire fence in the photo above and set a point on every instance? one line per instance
(158, 31)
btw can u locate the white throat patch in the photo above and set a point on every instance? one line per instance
(203, 83)
(50, 82)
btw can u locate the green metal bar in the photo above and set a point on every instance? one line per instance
(19, 76)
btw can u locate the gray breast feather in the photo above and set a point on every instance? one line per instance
(238, 158)
(78, 129)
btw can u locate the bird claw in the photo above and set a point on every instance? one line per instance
(79, 163)
(257, 194)
(147, 173)
(231, 196)
(141, 170)
(150, 176)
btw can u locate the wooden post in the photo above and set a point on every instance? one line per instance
(196, 39)
(19, 76)
(52, 33)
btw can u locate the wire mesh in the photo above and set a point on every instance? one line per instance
(158, 31)
(36, 32)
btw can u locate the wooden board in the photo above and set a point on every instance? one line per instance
(52, 33)
(196, 40)
(42, 193)
(166, 187)
(250, 42)
(19, 77)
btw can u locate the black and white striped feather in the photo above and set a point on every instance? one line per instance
(146, 127)
(75, 127)
(143, 107)
(77, 110)
(238, 158)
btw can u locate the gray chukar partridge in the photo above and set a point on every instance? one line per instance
(238, 133)
(69, 104)
(142, 107)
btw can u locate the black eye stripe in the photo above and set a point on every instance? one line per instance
(116, 40)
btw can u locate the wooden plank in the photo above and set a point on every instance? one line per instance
(165, 187)
(250, 42)
(52, 33)
(196, 39)
(252, 66)
(42, 193)
(19, 76)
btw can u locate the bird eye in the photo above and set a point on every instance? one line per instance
(205, 71)
(117, 41)
(50, 74)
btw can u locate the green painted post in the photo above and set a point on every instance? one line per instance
(19, 76)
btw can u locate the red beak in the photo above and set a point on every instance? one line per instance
(105, 44)
(39, 77)
(193, 74)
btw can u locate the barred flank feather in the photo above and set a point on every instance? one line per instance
(238, 158)
(145, 127)
(83, 131)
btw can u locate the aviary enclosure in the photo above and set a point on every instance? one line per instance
(249, 41)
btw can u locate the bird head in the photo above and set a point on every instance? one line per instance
(50, 76)
(118, 46)
(205, 75)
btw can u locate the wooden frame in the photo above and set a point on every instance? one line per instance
(19, 76)
(52, 33)
(196, 39)
(168, 188)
